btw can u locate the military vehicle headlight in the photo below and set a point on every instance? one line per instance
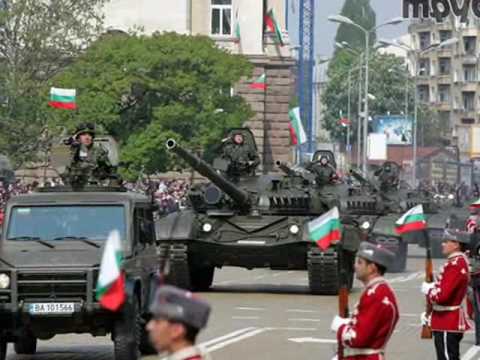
(294, 229)
(4, 281)
(207, 227)
(365, 225)
(451, 197)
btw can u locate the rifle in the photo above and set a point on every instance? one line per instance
(342, 293)
(426, 330)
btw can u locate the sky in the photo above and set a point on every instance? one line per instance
(325, 30)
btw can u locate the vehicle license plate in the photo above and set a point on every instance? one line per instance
(51, 308)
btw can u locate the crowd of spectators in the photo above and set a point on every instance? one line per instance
(170, 195)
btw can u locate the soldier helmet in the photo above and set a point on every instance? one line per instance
(84, 128)
(376, 254)
(178, 305)
(462, 237)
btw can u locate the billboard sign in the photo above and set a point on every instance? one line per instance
(397, 128)
(377, 147)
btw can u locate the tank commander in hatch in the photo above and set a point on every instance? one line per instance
(89, 164)
(324, 172)
(242, 157)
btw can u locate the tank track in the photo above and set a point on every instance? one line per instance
(323, 274)
(178, 268)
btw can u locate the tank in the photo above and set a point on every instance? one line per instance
(386, 205)
(258, 221)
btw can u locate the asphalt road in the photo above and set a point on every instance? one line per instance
(264, 314)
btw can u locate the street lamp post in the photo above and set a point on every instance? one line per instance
(345, 20)
(416, 58)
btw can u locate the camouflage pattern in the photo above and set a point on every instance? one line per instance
(89, 165)
(242, 158)
(324, 172)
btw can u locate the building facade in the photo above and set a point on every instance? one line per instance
(223, 21)
(448, 78)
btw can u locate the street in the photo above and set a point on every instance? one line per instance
(265, 314)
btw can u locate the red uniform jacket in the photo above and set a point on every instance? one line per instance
(190, 353)
(372, 323)
(448, 294)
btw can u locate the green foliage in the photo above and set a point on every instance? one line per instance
(37, 40)
(361, 13)
(143, 90)
(388, 83)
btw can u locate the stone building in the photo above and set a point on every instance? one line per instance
(219, 19)
(448, 78)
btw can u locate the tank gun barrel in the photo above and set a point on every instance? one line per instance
(203, 168)
(285, 168)
(364, 181)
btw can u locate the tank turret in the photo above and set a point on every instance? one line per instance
(238, 195)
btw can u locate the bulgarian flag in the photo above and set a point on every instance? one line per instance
(259, 83)
(63, 98)
(111, 280)
(412, 220)
(237, 27)
(476, 204)
(326, 229)
(297, 133)
(272, 25)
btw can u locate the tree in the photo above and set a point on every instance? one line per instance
(387, 85)
(144, 90)
(361, 13)
(37, 40)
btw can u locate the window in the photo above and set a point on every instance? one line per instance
(469, 44)
(468, 100)
(444, 93)
(444, 66)
(469, 73)
(468, 121)
(221, 14)
(424, 67)
(425, 40)
(444, 35)
(66, 223)
(423, 93)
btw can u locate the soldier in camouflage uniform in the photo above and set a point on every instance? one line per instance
(242, 158)
(89, 164)
(324, 172)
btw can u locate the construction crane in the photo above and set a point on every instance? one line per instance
(306, 63)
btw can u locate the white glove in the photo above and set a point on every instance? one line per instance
(335, 357)
(424, 319)
(337, 322)
(426, 287)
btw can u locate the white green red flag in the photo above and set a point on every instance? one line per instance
(476, 204)
(325, 229)
(297, 132)
(237, 27)
(110, 290)
(260, 83)
(412, 220)
(63, 98)
(271, 24)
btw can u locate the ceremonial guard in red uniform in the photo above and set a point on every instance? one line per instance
(365, 335)
(447, 294)
(177, 318)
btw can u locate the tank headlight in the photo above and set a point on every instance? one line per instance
(365, 225)
(207, 227)
(294, 229)
(451, 197)
(4, 281)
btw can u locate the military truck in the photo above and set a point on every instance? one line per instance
(260, 221)
(50, 251)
